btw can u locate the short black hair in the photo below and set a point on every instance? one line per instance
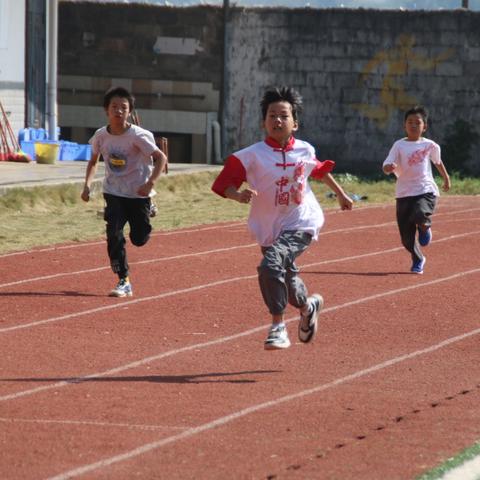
(282, 94)
(417, 110)
(118, 92)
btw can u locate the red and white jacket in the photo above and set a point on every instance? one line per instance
(284, 200)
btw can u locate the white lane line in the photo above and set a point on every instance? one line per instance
(92, 424)
(221, 421)
(152, 260)
(189, 255)
(125, 303)
(328, 212)
(102, 242)
(217, 341)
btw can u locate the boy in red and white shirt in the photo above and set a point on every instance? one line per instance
(284, 215)
(416, 192)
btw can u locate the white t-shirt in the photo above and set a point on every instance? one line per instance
(414, 170)
(127, 157)
(285, 200)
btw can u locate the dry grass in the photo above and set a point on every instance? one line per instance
(51, 215)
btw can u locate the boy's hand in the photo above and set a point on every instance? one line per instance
(390, 168)
(245, 196)
(85, 194)
(145, 189)
(345, 202)
(446, 184)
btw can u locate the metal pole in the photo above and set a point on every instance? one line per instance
(52, 68)
(225, 79)
(465, 4)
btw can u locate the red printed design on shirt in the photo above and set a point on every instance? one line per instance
(296, 193)
(418, 156)
(282, 197)
(298, 188)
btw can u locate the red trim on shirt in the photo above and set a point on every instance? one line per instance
(232, 174)
(271, 142)
(322, 168)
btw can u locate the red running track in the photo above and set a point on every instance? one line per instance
(174, 383)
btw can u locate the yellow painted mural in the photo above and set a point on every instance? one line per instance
(396, 63)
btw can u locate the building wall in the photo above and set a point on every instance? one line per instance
(358, 70)
(12, 61)
(170, 58)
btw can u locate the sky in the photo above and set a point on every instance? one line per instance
(382, 4)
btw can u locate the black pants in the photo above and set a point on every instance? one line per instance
(413, 211)
(119, 211)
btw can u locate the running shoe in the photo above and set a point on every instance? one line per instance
(307, 327)
(153, 209)
(424, 236)
(417, 266)
(277, 338)
(123, 289)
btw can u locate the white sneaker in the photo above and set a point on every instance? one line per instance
(307, 327)
(123, 289)
(277, 338)
(153, 209)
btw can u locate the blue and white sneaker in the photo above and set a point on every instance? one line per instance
(424, 236)
(307, 327)
(123, 289)
(277, 338)
(417, 266)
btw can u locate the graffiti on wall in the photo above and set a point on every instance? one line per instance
(395, 65)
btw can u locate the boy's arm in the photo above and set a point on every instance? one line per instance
(446, 177)
(390, 165)
(89, 176)
(230, 179)
(159, 162)
(346, 203)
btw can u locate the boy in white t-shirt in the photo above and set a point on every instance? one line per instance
(416, 192)
(133, 163)
(284, 215)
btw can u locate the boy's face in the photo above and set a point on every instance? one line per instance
(279, 122)
(118, 110)
(415, 126)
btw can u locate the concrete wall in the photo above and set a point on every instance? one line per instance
(358, 70)
(12, 61)
(170, 58)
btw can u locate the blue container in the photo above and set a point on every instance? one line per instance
(34, 134)
(75, 151)
(28, 148)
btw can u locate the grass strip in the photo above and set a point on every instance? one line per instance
(452, 463)
(42, 216)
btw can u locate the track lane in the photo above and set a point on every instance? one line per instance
(187, 376)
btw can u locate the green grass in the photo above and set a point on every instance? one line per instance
(452, 463)
(44, 216)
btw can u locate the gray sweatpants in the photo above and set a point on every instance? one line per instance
(278, 274)
(413, 211)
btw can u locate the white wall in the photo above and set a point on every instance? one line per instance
(12, 61)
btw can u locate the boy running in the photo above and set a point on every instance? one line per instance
(416, 191)
(284, 215)
(130, 175)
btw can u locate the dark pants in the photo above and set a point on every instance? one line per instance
(278, 274)
(119, 211)
(411, 212)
